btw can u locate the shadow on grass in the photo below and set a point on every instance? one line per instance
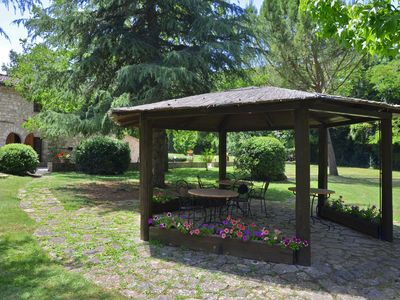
(107, 195)
(27, 273)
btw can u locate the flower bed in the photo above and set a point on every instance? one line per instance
(367, 221)
(232, 237)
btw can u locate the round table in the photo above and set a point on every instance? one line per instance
(213, 193)
(315, 192)
(214, 199)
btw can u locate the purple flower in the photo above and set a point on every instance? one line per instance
(162, 225)
(258, 234)
(225, 222)
(150, 221)
(247, 232)
(305, 243)
(245, 238)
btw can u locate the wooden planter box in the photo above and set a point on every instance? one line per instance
(358, 224)
(159, 208)
(252, 250)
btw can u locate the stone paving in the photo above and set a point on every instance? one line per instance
(102, 243)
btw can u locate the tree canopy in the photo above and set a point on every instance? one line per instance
(368, 26)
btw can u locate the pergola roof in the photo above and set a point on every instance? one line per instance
(253, 108)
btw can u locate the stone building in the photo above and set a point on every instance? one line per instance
(15, 110)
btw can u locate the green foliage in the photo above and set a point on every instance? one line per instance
(206, 140)
(298, 58)
(21, 5)
(208, 156)
(371, 213)
(262, 158)
(18, 159)
(102, 155)
(122, 53)
(368, 26)
(385, 79)
(184, 140)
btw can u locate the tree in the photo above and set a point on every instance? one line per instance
(299, 58)
(21, 5)
(371, 27)
(184, 140)
(130, 52)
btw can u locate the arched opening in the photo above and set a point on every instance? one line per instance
(13, 138)
(29, 140)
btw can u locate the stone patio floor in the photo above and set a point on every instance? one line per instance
(102, 243)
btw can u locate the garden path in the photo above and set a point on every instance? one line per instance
(102, 243)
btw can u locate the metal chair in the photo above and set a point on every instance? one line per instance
(244, 192)
(186, 203)
(260, 195)
(204, 186)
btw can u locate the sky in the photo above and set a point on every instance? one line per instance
(16, 32)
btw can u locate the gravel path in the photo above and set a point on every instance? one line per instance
(102, 243)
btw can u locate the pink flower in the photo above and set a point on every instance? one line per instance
(239, 234)
(234, 222)
(223, 235)
(226, 230)
(197, 231)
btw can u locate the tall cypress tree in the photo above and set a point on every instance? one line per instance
(142, 51)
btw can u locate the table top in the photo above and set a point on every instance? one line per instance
(213, 193)
(230, 182)
(314, 191)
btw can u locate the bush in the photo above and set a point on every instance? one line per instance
(102, 155)
(184, 140)
(261, 158)
(18, 159)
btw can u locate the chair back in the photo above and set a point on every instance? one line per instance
(199, 182)
(182, 188)
(265, 187)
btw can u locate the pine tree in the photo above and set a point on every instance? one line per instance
(300, 59)
(145, 50)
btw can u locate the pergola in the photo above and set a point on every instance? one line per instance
(265, 108)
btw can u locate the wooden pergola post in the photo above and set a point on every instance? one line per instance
(386, 180)
(146, 169)
(322, 164)
(222, 155)
(302, 144)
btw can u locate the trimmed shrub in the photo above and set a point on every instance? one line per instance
(102, 155)
(260, 158)
(18, 159)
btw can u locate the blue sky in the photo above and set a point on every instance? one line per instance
(16, 32)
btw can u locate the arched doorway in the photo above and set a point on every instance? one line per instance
(13, 138)
(29, 140)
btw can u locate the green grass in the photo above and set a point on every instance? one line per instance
(358, 186)
(26, 272)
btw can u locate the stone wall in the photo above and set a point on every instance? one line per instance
(15, 110)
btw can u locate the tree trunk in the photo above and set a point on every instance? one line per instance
(333, 170)
(159, 149)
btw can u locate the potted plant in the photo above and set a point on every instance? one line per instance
(365, 220)
(231, 237)
(208, 156)
(63, 157)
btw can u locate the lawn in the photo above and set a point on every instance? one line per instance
(358, 186)
(26, 272)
